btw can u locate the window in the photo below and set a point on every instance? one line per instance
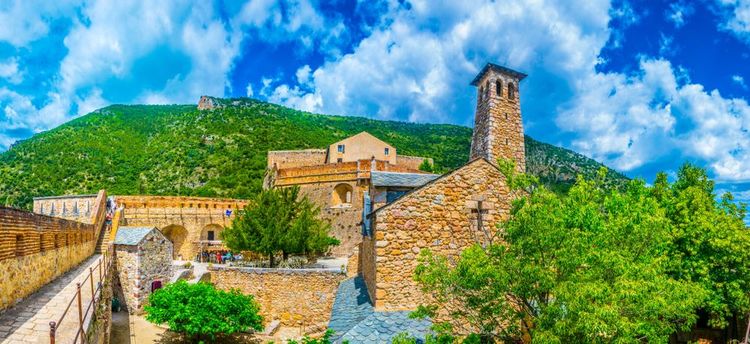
(339, 160)
(487, 89)
(341, 148)
(481, 92)
(506, 116)
(507, 142)
(210, 235)
(342, 195)
(511, 92)
(387, 151)
(498, 88)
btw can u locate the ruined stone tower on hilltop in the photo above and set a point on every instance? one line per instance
(498, 128)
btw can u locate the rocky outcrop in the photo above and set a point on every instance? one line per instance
(208, 103)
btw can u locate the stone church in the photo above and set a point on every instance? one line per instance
(447, 214)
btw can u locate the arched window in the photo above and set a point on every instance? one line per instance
(511, 91)
(342, 195)
(499, 88)
(19, 245)
(487, 89)
(481, 93)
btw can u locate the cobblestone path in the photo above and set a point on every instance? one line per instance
(28, 321)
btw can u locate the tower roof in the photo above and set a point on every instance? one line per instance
(491, 66)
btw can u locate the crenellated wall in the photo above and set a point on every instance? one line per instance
(78, 208)
(35, 249)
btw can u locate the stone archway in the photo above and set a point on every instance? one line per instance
(178, 236)
(212, 232)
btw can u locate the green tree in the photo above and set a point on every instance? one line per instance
(279, 221)
(202, 312)
(711, 243)
(587, 267)
(426, 166)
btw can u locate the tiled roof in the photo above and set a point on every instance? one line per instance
(354, 320)
(131, 235)
(411, 180)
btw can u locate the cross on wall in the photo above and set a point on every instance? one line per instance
(479, 208)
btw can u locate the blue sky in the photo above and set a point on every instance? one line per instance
(639, 85)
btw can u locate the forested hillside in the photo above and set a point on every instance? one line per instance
(179, 150)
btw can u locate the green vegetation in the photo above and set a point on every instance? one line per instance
(598, 264)
(178, 150)
(201, 312)
(279, 220)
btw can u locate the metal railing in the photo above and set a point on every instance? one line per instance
(104, 265)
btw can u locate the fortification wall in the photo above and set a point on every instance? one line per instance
(35, 249)
(296, 158)
(79, 208)
(296, 297)
(183, 220)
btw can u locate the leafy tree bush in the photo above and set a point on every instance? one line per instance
(202, 312)
(596, 265)
(279, 220)
(710, 242)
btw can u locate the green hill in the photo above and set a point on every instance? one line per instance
(179, 150)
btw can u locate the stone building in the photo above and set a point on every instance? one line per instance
(338, 179)
(453, 211)
(143, 257)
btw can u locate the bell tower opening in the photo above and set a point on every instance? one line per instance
(498, 125)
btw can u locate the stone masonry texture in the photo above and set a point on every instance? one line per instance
(440, 216)
(140, 265)
(295, 297)
(498, 127)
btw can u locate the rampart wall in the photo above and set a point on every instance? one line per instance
(35, 249)
(77, 208)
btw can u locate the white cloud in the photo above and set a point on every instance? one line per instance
(24, 21)
(679, 12)
(739, 80)
(10, 71)
(735, 17)
(404, 71)
(303, 74)
(249, 90)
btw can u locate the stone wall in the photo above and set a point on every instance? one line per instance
(411, 162)
(35, 249)
(440, 216)
(498, 126)
(139, 266)
(296, 158)
(183, 220)
(344, 219)
(296, 297)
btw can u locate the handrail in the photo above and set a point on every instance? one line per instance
(96, 296)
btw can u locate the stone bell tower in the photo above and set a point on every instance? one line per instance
(498, 128)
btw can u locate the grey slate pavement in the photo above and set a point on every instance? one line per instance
(354, 319)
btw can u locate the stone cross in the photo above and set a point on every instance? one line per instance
(479, 210)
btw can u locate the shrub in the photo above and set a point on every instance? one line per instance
(200, 311)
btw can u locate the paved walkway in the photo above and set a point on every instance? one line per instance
(28, 321)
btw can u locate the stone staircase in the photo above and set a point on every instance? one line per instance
(103, 241)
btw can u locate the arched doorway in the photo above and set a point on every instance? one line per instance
(178, 236)
(212, 232)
